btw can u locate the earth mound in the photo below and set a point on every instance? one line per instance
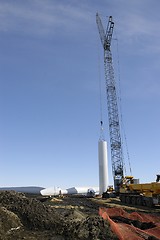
(23, 217)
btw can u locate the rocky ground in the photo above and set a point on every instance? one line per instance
(34, 217)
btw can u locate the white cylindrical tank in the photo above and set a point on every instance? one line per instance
(103, 166)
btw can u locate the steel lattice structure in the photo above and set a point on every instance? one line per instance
(112, 103)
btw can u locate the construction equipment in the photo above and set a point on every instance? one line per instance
(126, 187)
(113, 114)
(140, 194)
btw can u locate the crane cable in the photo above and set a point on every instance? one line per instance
(120, 108)
(100, 94)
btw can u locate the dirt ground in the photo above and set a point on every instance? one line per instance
(23, 217)
(34, 217)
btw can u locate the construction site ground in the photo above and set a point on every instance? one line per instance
(74, 217)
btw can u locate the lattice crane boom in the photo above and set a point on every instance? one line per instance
(112, 103)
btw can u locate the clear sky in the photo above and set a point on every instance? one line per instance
(50, 62)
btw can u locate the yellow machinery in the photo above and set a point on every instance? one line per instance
(140, 194)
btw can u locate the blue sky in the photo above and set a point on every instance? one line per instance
(50, 54)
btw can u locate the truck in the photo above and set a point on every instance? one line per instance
(144, 194)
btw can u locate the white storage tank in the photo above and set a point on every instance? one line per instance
(103, 166)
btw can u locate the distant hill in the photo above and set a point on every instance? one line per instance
(30, 189)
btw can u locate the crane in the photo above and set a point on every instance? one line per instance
(112, 103)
